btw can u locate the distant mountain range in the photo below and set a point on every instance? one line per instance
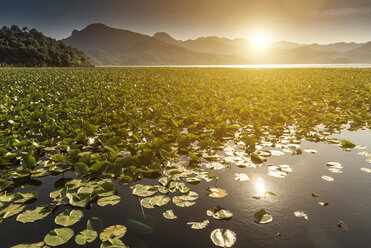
(110, 46)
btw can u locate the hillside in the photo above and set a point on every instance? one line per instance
(111, 46)
(24, 47)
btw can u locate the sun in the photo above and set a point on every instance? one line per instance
(259, 41)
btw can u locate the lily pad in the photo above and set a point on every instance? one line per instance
(219, 213)
(327, 178)
(169, 214)
(34, 215)
(109, 200)
(33, 245)
(263, 217)
(11, 210)
(85, 236)
(223, 237)
(156, 201)
(241, 177)
(67, 218)
(112, 232)
(198, 225)
(144, 190)
(217, 192)
(368, 170)
(301, 214)
(58, 236)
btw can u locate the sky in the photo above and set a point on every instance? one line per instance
(301, 21)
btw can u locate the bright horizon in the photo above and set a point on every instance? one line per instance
(317, 21)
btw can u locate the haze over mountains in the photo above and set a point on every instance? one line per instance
(110, 46)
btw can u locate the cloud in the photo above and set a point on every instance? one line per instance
(341, 12)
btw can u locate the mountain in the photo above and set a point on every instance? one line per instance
(361, 54)
(24, 47)
(111, 46)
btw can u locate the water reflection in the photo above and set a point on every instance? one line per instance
(260, 187)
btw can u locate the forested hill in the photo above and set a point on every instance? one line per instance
(24, 47)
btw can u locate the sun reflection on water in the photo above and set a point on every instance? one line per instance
(260, 187)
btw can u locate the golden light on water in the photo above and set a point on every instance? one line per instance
(260, 187)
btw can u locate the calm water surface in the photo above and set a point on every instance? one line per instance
(349, 197)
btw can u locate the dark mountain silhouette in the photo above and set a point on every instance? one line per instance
(111, 46)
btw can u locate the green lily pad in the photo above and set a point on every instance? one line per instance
(4, 184)
(219, 213)
(34, 215)
(198, 225)
(262, 217)
(223, 237)
(11, 210)
(78, 200)
(85, 236)
(112, 232)
(169, 214)
(33, 245)
(67, 218)
(113, 243)
(156, 201)
(144, 190)
(58, 236)
(109, 200)
(27, 196)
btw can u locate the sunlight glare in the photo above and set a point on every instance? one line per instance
(259, 41)
(260, 187)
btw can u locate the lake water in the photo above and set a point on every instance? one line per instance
(252, 66)
(349, 198)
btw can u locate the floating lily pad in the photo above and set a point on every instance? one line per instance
(223, 237)
(67, 218)
(4, 184)
(112, 232)
(34, 215)
(263, 217)
(219, 213)
(241, 177)
(85, 236)
(156, 201)
(113, 243)
(327, 178)
(109, 200)
(33, 245)
(169, 214)
(144, 190)
(301, 214)
(368, 170)
(11, 210)
(217, 192)
(323, 203)
(58, 236)
(198, 225)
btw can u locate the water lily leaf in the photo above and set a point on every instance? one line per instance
(193, 180)
(334, 164)
(198, 225)
(11, 210)
(144, 190)
(34, 215)
(112, 232)
(156, 201)
(33, 245)
(113, 243)
(109, 200)
(180, 202)
(78, 200)
(215, 166)
(85, 236)
(179, 186)
(81, 169)
(219, 213)
(327, 178)
(307, 150)
(241, 177)
(58, 236)
(4, 184)
(164, 181)
(323, 203)
(368, 170)
(279, 170)
(25, 197)
(347, 144)
(67, 218)
(301, 214)
(256, 159)
(315, 195)
(217, 192)
(263, 217)
(169, 214)
(223, 237)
